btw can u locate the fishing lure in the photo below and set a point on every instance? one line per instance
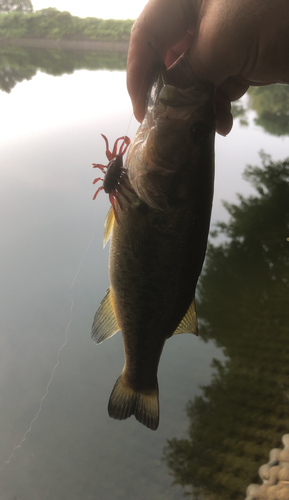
(115, 174)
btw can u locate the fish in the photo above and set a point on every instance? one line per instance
(158, 236)
(173, 138)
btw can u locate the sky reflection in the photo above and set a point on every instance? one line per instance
(50, 136)
(46, 192)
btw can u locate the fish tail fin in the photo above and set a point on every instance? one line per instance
(125, 401)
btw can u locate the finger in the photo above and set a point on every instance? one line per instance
(141, 64)
(181, 73)
(233, 88)
(224, 118)
(163, 23)
(174, 52)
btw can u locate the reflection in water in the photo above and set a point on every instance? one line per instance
(272, 107)
(243, 413)
(18, 64)
(271, 103)
(74, 450)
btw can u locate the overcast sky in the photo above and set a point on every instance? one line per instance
(117, 9)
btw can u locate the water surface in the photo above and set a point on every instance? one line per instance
(50, 136)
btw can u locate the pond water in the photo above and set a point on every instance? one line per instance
(53, 277)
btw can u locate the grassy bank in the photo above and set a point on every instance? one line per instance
(55, 25)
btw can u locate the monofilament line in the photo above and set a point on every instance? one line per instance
(58, 354)
(139, 92)
(69, 322)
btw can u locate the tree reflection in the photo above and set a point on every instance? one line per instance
(272, 107)
(18, 64)
(271, 104)
(244, 295)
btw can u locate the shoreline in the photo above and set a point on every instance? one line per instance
(43, 43)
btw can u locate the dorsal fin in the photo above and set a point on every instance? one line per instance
(108, 226)
(105, 323)
(189, 323)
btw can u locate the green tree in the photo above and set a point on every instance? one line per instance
(244, 299)
(52, 24)
(16, 6)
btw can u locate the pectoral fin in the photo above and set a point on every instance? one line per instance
(189, 323)
(104, 324)
(108, 226)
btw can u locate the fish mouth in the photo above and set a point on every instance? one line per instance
(178, 125)
(173, 96)
(180, 104)
(167, 102)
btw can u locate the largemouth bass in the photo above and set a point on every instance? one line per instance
(158, 241)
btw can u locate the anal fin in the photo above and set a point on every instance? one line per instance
(105, 323)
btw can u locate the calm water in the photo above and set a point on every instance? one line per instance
(50, 135)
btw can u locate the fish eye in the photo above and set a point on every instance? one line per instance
(199, 131)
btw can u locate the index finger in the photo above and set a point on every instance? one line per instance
(163, 23)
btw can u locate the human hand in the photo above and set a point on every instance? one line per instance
(230, 45)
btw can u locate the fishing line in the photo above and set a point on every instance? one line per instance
(59, 351)
(71, 306)
(140, 89)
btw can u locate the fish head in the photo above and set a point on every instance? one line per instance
(174, 140)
